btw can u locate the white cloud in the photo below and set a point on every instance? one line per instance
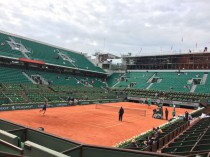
(118, 26)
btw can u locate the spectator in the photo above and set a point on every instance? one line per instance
(2, 44)
(145, 141)
(205, 49)
(70, 101)
(76, 101)
(154, 130)
(41, 129)
(149, 142)
(186, 116)
(159, 130)
(57, 57)
(133, 144)
(154, 137)
(190, 117)
(156, 95)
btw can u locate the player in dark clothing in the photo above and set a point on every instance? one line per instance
(44, 107)
(121, 112)
(166, 113)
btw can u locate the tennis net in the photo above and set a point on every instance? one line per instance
(127, 110)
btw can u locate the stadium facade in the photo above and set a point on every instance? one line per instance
(188, 61)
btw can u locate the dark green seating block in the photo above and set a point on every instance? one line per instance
(177, 144)
(177, 149)
(202, 147)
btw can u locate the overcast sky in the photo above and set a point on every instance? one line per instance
(114, 26)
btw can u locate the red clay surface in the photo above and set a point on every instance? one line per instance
(89, 125)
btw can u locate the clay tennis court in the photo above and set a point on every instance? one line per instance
(89, 125)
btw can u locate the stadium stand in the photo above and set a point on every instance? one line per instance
(12, 75)
(172, 81)
(139, 79)
(162, 81)
(113, 79)
(22, 93)
(19, 47)
(5, 48)
(204, 88)
(179, 96)
(192, 141)
(170, 131)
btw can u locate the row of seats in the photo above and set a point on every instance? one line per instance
(205, 88)
(194, 139)
(22, 93)
(178, 96)
(140, 80)
(15, 75)
(165, 81)
(173, 81)
(12, 75)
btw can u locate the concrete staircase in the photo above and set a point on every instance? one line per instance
(119, 80)
(150, 80)
(193, 88)
(149, 85)
(28, 77)
(203, 80)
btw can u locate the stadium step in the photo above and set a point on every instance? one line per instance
(149, 85)
(193, 88)
(29, 78)
(151, 78)
(203, 80)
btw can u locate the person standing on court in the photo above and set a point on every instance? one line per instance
(166, 113)
(121, 112)
(174, 112)
(148, 102)
(44, 108)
